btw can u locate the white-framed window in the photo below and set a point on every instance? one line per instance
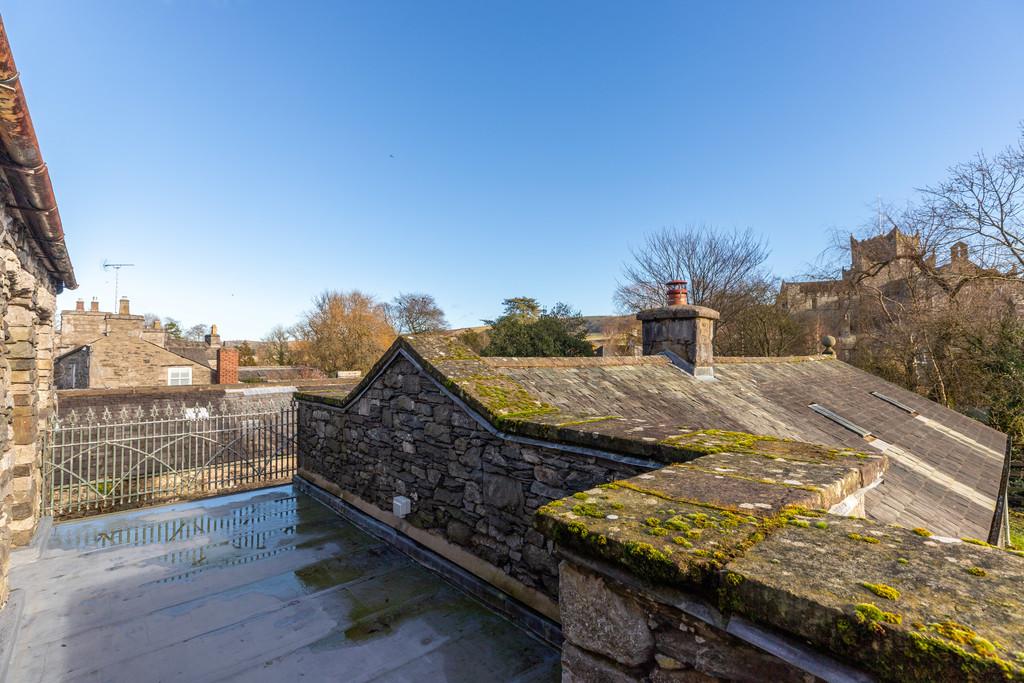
(177, 377)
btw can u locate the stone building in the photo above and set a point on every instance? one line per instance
(34, 268)
(103, 350)
(888, 265)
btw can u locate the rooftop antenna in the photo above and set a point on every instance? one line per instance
(107, 265)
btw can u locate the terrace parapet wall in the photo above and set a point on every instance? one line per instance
(717, 573)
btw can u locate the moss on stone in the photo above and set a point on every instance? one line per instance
(588, 420)
(882, 590)
(587, 510)
(922, 532)
(866, 539)
(976, 571)
(872, 615)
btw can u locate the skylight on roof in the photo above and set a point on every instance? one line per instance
(892, 401)
(841, 421)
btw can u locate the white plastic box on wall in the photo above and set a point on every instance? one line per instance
(401, 506)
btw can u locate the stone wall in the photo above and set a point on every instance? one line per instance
(27, 306)
(474, 489)
(675, 575)
(621, 630)
(124, 361)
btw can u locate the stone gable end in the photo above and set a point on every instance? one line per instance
(405, 436)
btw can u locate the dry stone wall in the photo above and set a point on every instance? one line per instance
(406, 437)
(27, 305)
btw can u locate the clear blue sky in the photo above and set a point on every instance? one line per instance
(247, 155)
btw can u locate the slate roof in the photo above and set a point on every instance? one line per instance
(944, 468)
(197, 352)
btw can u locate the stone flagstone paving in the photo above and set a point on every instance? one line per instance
(261, 586)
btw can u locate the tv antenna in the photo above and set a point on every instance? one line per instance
(107, 265)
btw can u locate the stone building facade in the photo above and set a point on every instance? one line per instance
(34, 268)
(103, 350)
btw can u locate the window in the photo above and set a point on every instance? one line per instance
(177, 377)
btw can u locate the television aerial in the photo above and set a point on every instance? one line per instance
(116, 267)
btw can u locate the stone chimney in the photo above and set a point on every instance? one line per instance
(94, 305)
(80, 305)
(681, 331)
(213, 339)
(122, 306)
(227, 365)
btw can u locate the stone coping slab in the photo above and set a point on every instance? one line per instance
(752, 537)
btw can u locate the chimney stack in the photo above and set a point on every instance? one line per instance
(227, 365)
(213, 339)
(122, 306)
(681, 331)
(80, 305)
(94, 305)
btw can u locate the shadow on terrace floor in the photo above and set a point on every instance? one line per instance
(261, 586)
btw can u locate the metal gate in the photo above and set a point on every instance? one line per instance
(98, 463)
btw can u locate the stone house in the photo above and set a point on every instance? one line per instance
(34, 268)
(103, 350)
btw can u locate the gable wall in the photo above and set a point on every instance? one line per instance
(126, 362)
(475, 490)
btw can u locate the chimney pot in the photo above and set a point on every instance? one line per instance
(94, 305)
(123, 306)
(675, 293)
(80, 305)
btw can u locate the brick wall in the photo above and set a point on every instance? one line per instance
(227, 365)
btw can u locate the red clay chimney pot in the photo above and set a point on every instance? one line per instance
(675, 293)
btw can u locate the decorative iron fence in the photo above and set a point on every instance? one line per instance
(99, 463)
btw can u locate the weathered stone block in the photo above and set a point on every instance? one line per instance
(601, 620)
(580, 666)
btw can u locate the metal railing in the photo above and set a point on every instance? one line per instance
(99, 463)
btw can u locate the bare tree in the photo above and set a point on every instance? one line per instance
(197, 332)
(276, 349)
(982, 205)
(415, 313)
(725, 270)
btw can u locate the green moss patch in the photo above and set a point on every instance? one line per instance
(881, 590)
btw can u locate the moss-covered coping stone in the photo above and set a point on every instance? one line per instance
(893, 601)
(485, 385)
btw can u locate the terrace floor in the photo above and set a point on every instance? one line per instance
(262, 586)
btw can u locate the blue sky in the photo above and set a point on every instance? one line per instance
(247, 155)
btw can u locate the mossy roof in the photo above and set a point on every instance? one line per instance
(647, 407)
(892, 600)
